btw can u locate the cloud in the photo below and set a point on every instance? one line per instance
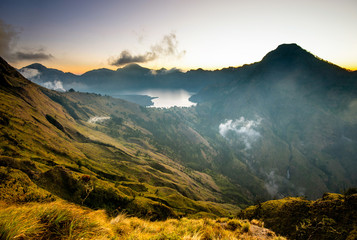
(167, 47)
(126, 57)
(39, 55)
(271, 184)
(8, 35)
(164, 71)
(242, 130)
(30, 73)
(98, 119)
(55, 85)
(8, 39)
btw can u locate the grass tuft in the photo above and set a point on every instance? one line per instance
(60, 220)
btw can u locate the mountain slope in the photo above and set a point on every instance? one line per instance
(297, 112)
(331, 217)
(284, 126)
(47, 138)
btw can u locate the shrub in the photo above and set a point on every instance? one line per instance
(257, 222)
(233, 224)
(246, 227)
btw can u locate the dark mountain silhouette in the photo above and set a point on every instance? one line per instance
(131, 78)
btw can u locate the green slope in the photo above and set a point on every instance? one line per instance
(47, 140)
(331, 217)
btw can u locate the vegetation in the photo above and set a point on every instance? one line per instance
(61, 220)
(49, 150)
(331, 217)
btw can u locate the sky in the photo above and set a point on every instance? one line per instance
(80, 35)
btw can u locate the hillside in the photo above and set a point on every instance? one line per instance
(291, 118)
(61, 220)
(50, 148)
(331, 217)
(284, 126)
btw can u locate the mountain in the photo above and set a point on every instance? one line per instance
(284, 126)
(127, 80)
(41, 75)
(98, 152)
(64, 157)
(291, 118)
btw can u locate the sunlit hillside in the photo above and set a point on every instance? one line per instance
(60, 220)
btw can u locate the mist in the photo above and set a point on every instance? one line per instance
(244, 130)
(98, 119)
(30, 73)
(55, 85)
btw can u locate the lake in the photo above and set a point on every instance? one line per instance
(166, 98)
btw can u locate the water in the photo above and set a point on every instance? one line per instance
(166, 98)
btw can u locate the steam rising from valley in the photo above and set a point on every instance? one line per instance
(30, 73)
(55, 85)
(242, 129)
(98, 119)
(35, 75)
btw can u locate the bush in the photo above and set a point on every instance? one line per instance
(233, 224)
(246, 227)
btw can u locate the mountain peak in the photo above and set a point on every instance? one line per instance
(289, 46)
(132, 66)
(37, 66)
(288, 53)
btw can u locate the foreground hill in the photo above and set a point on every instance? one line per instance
(334, 216)
(60, 220)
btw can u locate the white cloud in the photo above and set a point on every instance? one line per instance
(96, 119)
(244, 129)
(271, 184)
(30, 73)
(55, 85)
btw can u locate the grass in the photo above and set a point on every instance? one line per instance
(331, 217)
(57, 220)
(62, 220)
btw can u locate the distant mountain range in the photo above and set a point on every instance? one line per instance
(131, 78)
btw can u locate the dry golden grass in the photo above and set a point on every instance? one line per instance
(61, 220)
